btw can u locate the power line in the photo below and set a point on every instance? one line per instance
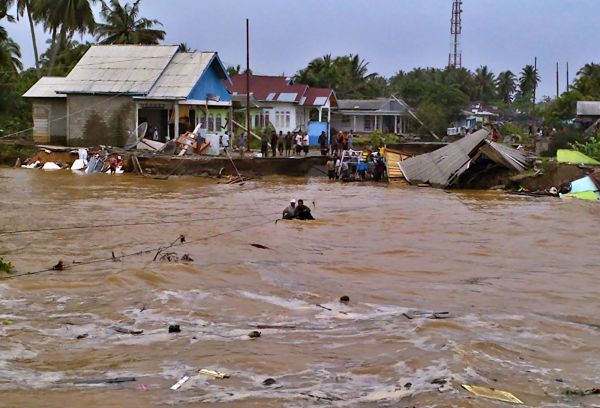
(125, 224)
(179, 242)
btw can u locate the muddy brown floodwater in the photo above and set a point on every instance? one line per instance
(518, 275)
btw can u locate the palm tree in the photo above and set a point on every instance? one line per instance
(184, 47)
(588, 80)
(233, 71)
(484, 84)
(64, 18)
(24, 6)
(529, 80)
(506, 84)
(10, 53)
(122, 25)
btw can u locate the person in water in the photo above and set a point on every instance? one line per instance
(290, 211)
(303, 212)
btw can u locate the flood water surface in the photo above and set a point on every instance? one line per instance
(517, 276)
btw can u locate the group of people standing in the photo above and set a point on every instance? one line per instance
(287, 145)
(339, 143)
(352, 165)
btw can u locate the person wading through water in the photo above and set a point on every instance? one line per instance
(289, 213)
(303, 212)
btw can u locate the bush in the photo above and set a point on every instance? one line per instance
(378, 139)
(565, 139)
(5, 266)
(590, 148)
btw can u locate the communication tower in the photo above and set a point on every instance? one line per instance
(455, 57)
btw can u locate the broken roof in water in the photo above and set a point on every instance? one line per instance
(441, 168)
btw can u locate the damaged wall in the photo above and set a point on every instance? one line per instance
(99, 119)
(49, 120)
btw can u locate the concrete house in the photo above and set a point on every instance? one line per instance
(286, 105)
(114, 88)
(388, 115)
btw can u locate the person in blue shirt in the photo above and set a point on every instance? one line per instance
(362, 169)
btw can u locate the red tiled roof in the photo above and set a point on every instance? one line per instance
(318, 97)
(278, 89)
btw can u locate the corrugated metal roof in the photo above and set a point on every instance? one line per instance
(287, 97)
(375, 105)
(442, 167)
(116, 69)
(181, 75)
(588, 108)
(46, 87)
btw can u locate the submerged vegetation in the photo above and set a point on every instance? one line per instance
(5, 266)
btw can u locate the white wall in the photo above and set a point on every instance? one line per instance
(283, 117)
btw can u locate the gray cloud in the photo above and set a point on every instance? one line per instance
(391, 34)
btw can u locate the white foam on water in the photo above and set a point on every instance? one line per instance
(290, 304)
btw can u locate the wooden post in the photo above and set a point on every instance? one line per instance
(248, 124)
(176, 114)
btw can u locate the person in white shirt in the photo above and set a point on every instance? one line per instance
(305, 144)
(225, 142)
(299, 140)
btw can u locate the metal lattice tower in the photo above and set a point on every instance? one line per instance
(455, 57)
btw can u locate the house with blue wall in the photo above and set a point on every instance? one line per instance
(114, 88)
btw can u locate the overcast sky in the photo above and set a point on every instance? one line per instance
(391, 35)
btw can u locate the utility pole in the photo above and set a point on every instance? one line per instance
(568, 83)
(557, 90)
(455, 57)
(248, 124)
(533, 115)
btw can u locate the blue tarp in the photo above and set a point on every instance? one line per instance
(314, 131)
(583, 184)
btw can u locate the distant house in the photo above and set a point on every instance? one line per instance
(473, 118)
(114, 88)
(284, 104)
(388, 115)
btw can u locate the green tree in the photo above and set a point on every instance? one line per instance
(184, 47)
(562, 108)
(506, 85)
(528, 80)
(485, 87)
(23, 7)
(588, 80)
(64, 18)
(122, 25)
(347, 74)
(67, 55)
(10, 53)
(232, 71)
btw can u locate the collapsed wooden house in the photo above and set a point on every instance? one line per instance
(474, 153)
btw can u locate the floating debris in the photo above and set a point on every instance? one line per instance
(59, 266)
(275, 326)
(213, 373)
(581, 393)
(174, 328)
(492, 393)
(82, 336)
(345, 299)
(187, 258)
(254, 334)
(269, 381)
(260, 246)
(179, 383)
(125, 330)
(116, 380)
